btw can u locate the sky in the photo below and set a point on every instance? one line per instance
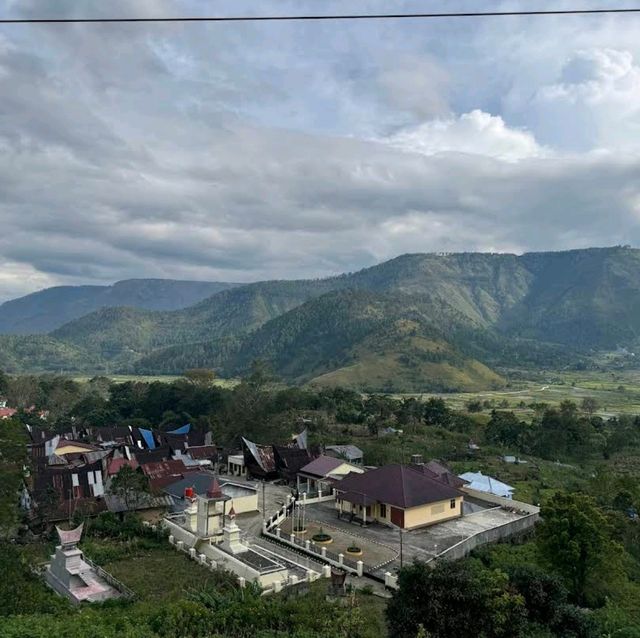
(244, 152)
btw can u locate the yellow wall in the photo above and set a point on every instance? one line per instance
(243, 504)
(413, 516)
(344, 469)
(432, 513)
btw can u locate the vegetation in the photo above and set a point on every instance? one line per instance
(415, 323)
(577, 577)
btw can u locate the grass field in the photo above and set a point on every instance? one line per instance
(617, 392)
(160, 574)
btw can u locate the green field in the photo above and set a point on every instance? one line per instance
(617, 392)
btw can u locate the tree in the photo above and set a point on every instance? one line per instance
(454, 600)
(589, 405)
(474, 406)
(436, 412)
(200, 377)
(575, 541)
(504, 428)
(130, 486)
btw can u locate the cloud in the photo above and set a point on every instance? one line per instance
(280, 151)
(476, 133)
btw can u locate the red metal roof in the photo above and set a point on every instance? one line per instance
(202, 452)
(115, 465)
(160, 469)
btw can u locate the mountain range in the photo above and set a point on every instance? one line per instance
(417, 322)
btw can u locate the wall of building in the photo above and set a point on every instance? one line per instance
(413, 517)
(432, 513)
(243, 504)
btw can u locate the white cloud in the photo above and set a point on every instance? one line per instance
(475, 133)
(259, 151)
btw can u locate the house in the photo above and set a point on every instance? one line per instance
(259, 460)
(289, 461)
(162, 473)
(512, 460)
(65, 447)
(116, 464)
(201, 455)
(440, 472)
(350, 453)
(321, 474)
(397, 495)
(482, 483)
(243, 498)
(235, 465)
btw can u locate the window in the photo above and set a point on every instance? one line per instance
(452, 503)
(383, 510)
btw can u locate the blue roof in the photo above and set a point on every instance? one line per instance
(182, 430)
(147, 435)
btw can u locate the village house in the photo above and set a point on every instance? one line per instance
(397, 495)
(482, 483)
(243, 498)
(322, 473)
(350, 453)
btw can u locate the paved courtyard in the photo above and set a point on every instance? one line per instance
(373, 555)
(421, 544)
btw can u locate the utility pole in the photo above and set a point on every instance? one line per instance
(401, 557)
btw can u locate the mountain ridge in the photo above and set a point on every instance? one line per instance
(480, 308)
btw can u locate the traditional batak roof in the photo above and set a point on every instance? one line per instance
(262, 455)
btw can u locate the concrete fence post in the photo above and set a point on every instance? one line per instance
(180, 545)
(277, 587)
(341, 559)
(319, 494)
(192, 553)
(326, 571)
(278, 532)
(203, 559)
(172, 539)
(213, 565)
(293, 580)
(307, 545)
(360, 568)
(323, 552)
(242, 582)
(292, 538)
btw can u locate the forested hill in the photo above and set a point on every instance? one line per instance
(46, 310)
(475, 307)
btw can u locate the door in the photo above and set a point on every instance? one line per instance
(397, 516)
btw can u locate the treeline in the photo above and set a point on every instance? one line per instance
(564, 432)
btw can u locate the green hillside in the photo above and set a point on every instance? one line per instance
(365, 340)
(46, 310)
(40, 353)
(538, 309)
